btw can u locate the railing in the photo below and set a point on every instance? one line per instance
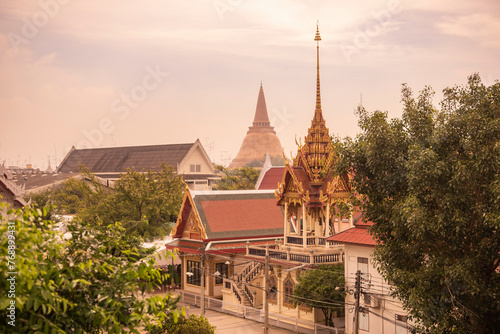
(300, 258)
(277, 255)
(324, 258)
(237, 293)
(294, 240)
(249, 294)
(303, 257)
(311, 241)
(275, 319)
(258, 252)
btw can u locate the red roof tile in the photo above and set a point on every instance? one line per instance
(357, 235)
(272, 178)
(242, 215)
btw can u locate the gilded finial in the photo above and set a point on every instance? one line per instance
(317, 38)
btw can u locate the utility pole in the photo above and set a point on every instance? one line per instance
(202, 257)
(357, 294)
(266, 292)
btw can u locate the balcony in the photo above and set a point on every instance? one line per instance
(298, 255)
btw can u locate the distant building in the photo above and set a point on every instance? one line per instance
(188, 160)
(260, 137)
(10, 192)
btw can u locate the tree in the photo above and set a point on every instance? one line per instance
(322, 288)
(145, 203)
(184, 325)
(431, 183)
(90, 283)
(238, 178)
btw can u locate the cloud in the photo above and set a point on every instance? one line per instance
(480, 27)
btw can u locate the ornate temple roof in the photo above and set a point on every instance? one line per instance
(311, 178)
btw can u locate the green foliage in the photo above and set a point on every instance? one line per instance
(431, 182)
(145, 203)
(276, 160)
(184, 325)
(87, 284)
(238, 178)
(322, 288)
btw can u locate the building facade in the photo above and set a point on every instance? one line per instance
(379, 313)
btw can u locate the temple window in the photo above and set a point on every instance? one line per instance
(194, 267)
(223, 270)
(287, 301)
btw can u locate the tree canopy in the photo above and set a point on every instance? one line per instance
(238, 178)
(431, 183)
(89, 283)
(322, 288)
(145, 203)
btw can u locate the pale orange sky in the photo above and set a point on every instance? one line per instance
(120, 73)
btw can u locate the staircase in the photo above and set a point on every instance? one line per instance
(244, 277)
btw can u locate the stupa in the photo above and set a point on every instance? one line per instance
(260, 137)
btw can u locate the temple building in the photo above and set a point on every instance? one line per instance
(227, 239)
(309, 195)
(260, 137)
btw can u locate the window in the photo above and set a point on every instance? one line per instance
(363, 320)
(194, 267)
(401, 324)
(363, 265)
(223, 269)
(288, 292)
(195, 168)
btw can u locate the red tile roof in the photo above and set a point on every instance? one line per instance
(271, 178)
(241, 215)
(357, 235)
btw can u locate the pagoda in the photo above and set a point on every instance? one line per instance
(260, 137)
(309, 190)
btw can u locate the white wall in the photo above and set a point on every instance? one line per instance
(381, 319)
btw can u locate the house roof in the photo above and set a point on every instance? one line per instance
(41, 181)
(118, 159)
(271, 178)
(239, 214)
(357, 235)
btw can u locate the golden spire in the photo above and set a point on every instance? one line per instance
(317, 38)
(316, 153)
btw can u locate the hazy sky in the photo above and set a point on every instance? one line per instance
(120, 73)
